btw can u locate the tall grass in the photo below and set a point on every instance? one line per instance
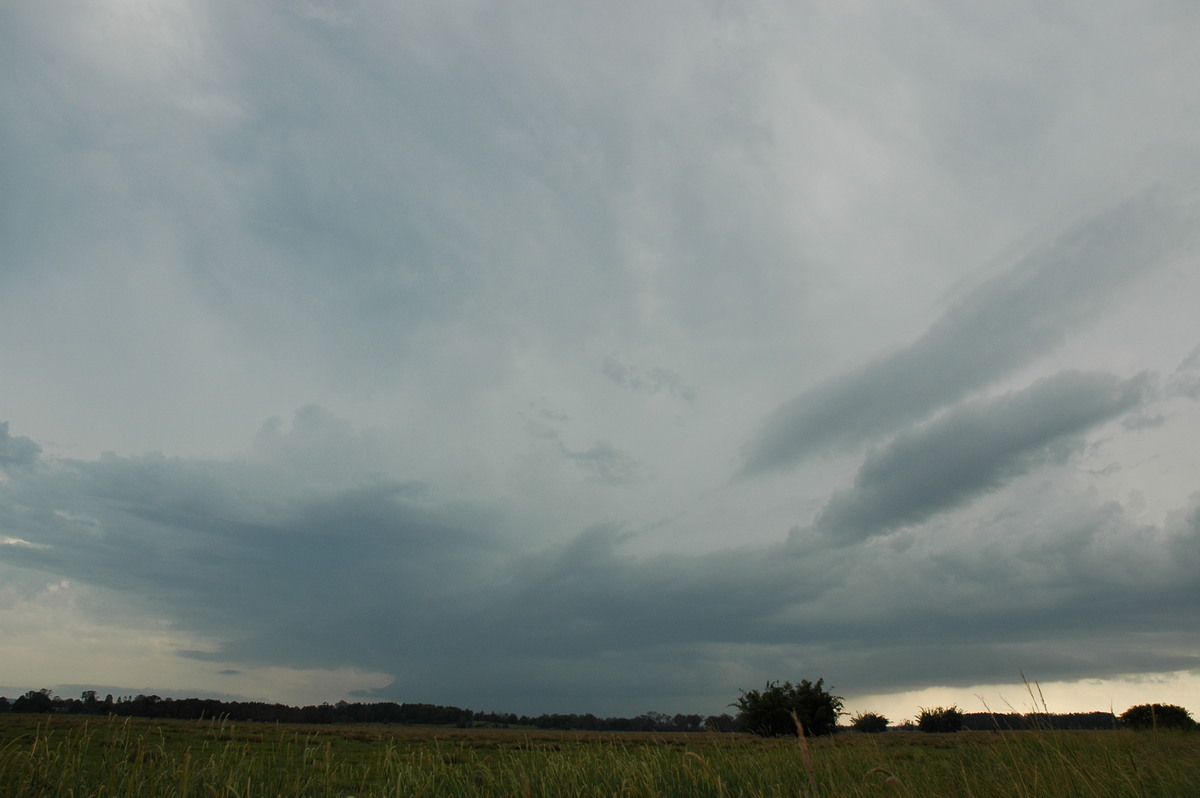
(71, 756)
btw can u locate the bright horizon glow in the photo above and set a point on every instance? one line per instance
(1086, 695)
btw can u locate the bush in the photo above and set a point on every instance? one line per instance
(869, 722)
(941, 719)
(769, 712)
(1157, 716)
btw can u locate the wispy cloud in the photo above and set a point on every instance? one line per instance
(1000, 326)
(1186, 379)
(972, 449)
(654, 380)
(605, 462)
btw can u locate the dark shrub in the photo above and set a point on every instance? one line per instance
(941, 719)
(1160, 716)
(769, 712)
(869, 722)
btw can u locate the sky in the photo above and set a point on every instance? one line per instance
(612, 357)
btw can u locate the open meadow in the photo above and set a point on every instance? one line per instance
(79, 756)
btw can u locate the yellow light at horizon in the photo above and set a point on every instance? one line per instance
(1086, 695)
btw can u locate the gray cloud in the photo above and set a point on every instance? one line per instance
(654, 380)
(604, 462)
(1186, 379)
(16, 452)
(372, 575)
(972, 449)
(996, 328)
(424, 215)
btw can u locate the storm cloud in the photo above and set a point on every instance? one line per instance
(376, 577)
(555, 358)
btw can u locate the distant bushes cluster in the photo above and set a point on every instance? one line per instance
(780, 709)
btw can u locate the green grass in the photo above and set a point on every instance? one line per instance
(83, 756)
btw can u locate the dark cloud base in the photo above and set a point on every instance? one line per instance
(289, 573)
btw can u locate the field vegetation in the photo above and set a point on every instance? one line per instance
(78, 755)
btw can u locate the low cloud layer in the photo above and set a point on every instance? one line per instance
(373, 576)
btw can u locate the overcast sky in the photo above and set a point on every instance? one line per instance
(608, 357)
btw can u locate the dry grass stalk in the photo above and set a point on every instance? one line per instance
(802, 742)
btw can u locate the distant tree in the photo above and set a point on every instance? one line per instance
(653, 721)
(1157, 716)
(941, 719)
(769, 712)
(719, 723)
(39, 701)
(869, 722)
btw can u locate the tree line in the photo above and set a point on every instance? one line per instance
(153, 706)
(778, 709)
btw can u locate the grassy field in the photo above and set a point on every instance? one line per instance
(77, 756)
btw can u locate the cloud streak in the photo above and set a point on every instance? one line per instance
(970, 450)
(653, 381)
(1000, 326)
